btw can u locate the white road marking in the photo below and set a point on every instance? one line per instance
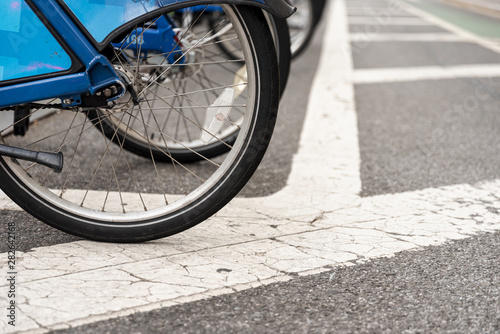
(400, 21)
(7, 204)
(377, 12)
(402, 37)
(318, 220)
(382, 75)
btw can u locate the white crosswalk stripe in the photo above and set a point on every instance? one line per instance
(376, 75)
(377, 37)
(400, 21)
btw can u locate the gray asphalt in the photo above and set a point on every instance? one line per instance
(428, 133)
(360, 28)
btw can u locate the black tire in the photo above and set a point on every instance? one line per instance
(281, 37)
(310, 12)
(31, 186)
(318, 11)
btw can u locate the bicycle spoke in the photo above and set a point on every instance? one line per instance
(166, 137)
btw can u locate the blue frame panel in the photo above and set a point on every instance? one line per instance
(99, 72)
(102, 17)
(28, 47)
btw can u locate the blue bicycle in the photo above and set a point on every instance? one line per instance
(164, 31)
(112, 78)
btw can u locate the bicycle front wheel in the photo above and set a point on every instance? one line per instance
(107, 193)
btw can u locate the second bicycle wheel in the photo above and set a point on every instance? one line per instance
(218, 57)
(107, 193)
(281, 37)
(302, 24)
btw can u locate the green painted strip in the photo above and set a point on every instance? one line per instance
(478, 24)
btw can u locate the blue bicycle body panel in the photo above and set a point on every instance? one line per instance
(98, 72)
(28, 47)
(101, 17)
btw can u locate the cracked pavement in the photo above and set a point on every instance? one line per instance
(317, 222)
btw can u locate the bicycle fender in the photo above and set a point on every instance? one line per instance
(106, 21)
(279, 8)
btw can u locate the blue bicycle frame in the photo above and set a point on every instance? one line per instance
(161, 39)
(77, 31)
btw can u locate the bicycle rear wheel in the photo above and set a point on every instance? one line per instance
(106, 193)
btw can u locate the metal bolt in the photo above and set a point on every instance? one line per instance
(107, 92)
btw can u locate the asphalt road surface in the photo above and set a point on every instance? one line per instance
(375, 210)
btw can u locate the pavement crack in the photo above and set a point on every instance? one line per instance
(36, 322)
